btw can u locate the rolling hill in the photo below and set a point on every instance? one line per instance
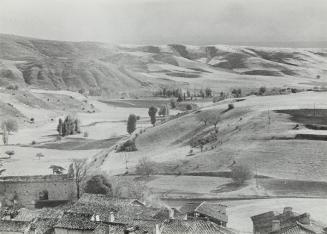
(129, 70)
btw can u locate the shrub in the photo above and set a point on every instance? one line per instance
(98, 184)
(127, 146)
(85, 134)
(230, 106)
(12, 87)
(188, 107)
(240, 174)
(10, 153)
(145, 167)
(33, 142)
(262, 90)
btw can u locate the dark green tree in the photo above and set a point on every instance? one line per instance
(131, 123)
(152, 113)
(98, 184)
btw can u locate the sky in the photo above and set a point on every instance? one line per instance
(166, 21)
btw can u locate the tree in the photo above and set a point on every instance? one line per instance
(71, 170)
(145, 167)
(80, 172)
(203, 117)
(60, 127)
(262, 90)
(10, 153)
(11, 125)
(164, 110)
(131, 123)
(4, 135)
(237, 92)
(98, 184)
(57, 170)
(240, 174)
(152, 113)
(208, 92)
(214, 118)
(172, 103)
(39, 155)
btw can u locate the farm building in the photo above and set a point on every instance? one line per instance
(287, 222)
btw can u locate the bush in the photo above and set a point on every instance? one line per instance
(98, 184)
(240, 174)
(262, 90)
(145, 167)
(86, 134)
(12, 87)
(188, 107)
(127, 146)
(33, 142)
(10, 152)
(172, 103)
(230, 106)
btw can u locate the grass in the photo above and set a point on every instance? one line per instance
(307, 116)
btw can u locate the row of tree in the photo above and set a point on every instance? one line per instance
(179, 93)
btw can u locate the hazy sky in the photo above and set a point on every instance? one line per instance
(166, 21)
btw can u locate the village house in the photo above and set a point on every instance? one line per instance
(287, 222)
(214, 212)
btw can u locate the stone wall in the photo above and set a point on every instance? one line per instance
(27, 189)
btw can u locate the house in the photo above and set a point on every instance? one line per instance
(287, 222)
(11, 227)
(194, 226)
(214, 212)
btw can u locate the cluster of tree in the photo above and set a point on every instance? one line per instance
(201, 141)
(57, 170)
(69, 126)
(167, 92)
(8, 126)
(237, 93)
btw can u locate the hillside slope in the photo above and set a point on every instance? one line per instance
(130, 70)
(259, 132)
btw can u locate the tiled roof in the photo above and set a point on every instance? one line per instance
(88, 198)
(193, 227)
(29, 215)
(105, 228)
(43, 226)
(189, 207)
(76, 222)
(13, 226)
(214, 210)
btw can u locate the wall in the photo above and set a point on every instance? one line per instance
(68, 231)
(28, 188)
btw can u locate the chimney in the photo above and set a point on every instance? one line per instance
(112, 217)
(185, 217)
(305, 219)
(288, 210)
(157, 229)
(275, 226)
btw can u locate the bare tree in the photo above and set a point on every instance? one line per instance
(214, 119)
(203, 117)
(80, 168)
